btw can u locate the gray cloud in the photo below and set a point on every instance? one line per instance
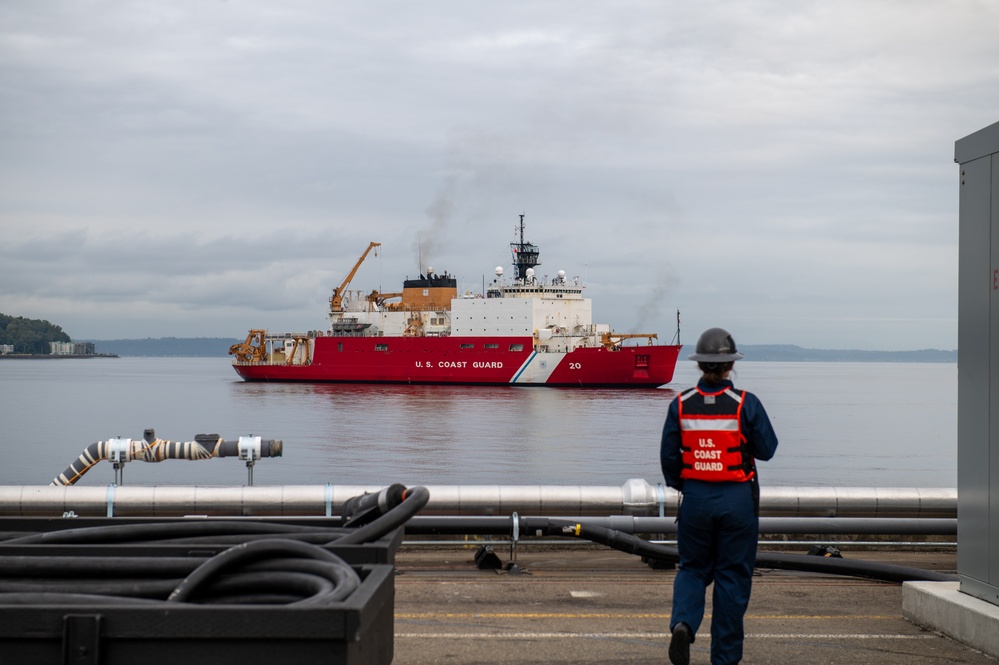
(199, 168)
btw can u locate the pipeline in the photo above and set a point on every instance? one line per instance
(635, 497)
(151, 449)
(399, 507)
(534, 525)
(391, 516)
(776, 560)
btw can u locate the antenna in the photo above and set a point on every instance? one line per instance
(525, 255)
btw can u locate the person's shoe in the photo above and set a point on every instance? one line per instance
(679, 645)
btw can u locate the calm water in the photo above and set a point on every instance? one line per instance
(839, 424)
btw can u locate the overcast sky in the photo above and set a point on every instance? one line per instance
(781, 169)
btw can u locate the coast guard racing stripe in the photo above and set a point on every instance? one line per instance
(538, 368)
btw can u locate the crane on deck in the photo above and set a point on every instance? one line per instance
(251, 350)
(337, 298)
(612, 341)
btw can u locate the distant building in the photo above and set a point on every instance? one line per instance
(6, 349)
(71, 348)
(61, 348)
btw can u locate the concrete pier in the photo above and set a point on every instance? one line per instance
(595, 605)
(940, 606)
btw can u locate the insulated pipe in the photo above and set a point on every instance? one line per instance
(151, 449)
(218, 531)
(859, 501)
(635, 497)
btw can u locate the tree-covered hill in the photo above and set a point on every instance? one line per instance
(30, 335)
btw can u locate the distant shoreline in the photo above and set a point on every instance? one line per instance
(49, 356)
(793, 353)
(218, 347)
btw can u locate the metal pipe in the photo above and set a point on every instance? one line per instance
(530, 525)
(635, 497)
(542, 542)
(859, 501)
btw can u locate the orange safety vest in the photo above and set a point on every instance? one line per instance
(712, 445)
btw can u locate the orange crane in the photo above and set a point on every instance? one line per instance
(379, 299)
(612, 341)
(337, 298)
(248, 351)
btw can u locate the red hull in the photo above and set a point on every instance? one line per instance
(442, 360)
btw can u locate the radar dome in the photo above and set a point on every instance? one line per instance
(499, 271)
(430, 270)
(530, 272)
(561, 274)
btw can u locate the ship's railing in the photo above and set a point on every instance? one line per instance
(538, 291)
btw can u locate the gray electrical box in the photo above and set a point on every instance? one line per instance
(978, 365)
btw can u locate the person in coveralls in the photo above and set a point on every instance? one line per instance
(713, 434)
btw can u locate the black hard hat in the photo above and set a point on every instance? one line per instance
(715, 345)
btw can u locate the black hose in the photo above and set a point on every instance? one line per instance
(88, 600)
(155, 532)
(262, 572)
(413, 500)
(235, 557)
(127, 588)
(271, 563)
(869, 569)
(777, 560)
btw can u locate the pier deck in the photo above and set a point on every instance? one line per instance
(596, 605)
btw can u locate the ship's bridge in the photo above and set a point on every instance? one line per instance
(560, 288)
(524, 307)
(540, 291)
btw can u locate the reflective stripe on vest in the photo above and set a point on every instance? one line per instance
(712, 446)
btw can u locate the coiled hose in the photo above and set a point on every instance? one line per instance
(270, 563)
(263, 572)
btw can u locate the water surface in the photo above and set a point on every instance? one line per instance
(839, 424)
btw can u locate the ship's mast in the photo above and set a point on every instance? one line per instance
(525, 255)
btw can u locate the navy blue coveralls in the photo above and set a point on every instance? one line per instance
(717, 532)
